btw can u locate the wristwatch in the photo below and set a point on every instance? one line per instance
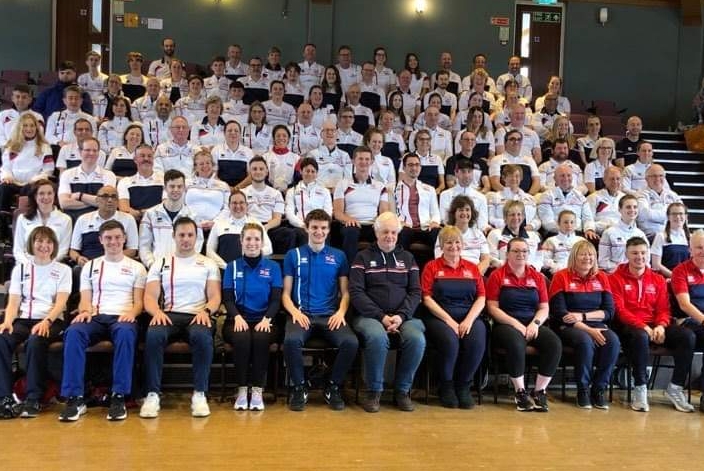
(536, 322)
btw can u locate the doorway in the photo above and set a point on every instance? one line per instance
(82, 26)
(538, 39)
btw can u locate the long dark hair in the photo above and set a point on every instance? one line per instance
(32, 206)
(685, 228)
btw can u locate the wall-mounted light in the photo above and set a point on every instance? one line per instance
(603, 15)
(420, 6)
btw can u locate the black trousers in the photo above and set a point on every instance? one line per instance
(547, 342)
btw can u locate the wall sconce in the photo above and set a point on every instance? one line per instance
(420, 6)
(603, 15)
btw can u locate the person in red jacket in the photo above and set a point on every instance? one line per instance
(643, 311)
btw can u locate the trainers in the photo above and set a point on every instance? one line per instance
(199, 405)
(298, 398)
(372, 400)
(333, 397)
(540, 399)
(7, 408)
(117, 410)
(403, 402)
(30, 409)
(257, 401)
(676, 396)
(74, 409)
(599, 399)
(241, 401)
(150, 406)
(523, 401)
(583, 400)
(640, 399)
(464, 396)
(448, 396)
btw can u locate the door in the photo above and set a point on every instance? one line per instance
(538, 42)
(82, 26)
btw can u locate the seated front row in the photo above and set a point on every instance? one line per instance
(181, 293)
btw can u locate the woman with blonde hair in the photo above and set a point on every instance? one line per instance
(26, 158)
(582, 308)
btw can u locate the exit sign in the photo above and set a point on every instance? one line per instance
(546, 17)
(546, 2)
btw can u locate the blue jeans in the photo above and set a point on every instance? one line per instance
(200, 339)
(342, 338)
(82, 335)
(376, 342)
(585, 352)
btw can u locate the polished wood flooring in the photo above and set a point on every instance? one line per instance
(495, 437)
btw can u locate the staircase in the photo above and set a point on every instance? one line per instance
(685, 171)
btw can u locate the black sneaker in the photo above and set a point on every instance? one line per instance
(583, 401)
(333, 397)
(403, 402)
(73, 410)
(372, 401)
(464, 396)
(599, 399)
(448, 396)
(30, 409)
(7, 408)
(117, 410)
(523, 401)
(298, 398)
(540, 399)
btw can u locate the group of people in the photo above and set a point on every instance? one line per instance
(214, 175)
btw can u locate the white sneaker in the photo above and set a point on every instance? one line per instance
(257, 401)
(241, 401)
(640, 399)
(199, 405)
(676, 396)
(150, 406)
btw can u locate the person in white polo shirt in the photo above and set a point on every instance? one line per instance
(357, 201)
(112, 287)
(189, 284)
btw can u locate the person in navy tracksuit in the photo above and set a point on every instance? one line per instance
(582, 309)
(453, 293)
(252, 296)
(517, 299)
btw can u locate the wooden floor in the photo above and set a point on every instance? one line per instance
(488, 437)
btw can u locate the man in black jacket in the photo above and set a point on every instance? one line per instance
(385, 292)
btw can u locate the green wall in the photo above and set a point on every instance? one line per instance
(643, 59)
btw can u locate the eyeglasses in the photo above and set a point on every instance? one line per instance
(514, 139)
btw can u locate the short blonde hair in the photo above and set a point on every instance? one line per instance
(580, 246)
(448, 233)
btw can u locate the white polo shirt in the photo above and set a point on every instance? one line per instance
(112, 284)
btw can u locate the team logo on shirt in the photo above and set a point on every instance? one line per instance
(372, 264)
(441, 273)
(200, 263)
(54, 274)
(531, 282)
(264, 273)
(690, 279)
(596, 286)
(467, 274)
(330, 258)
(126, 271)
(400, 264)
(239, 274)
(650, 289)
(573, 285)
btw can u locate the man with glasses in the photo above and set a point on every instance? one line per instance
(256, 86)
(512, 154)
(530, 144)
(349, 73)
(653, 202)
(347, 138)
(177, 153)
